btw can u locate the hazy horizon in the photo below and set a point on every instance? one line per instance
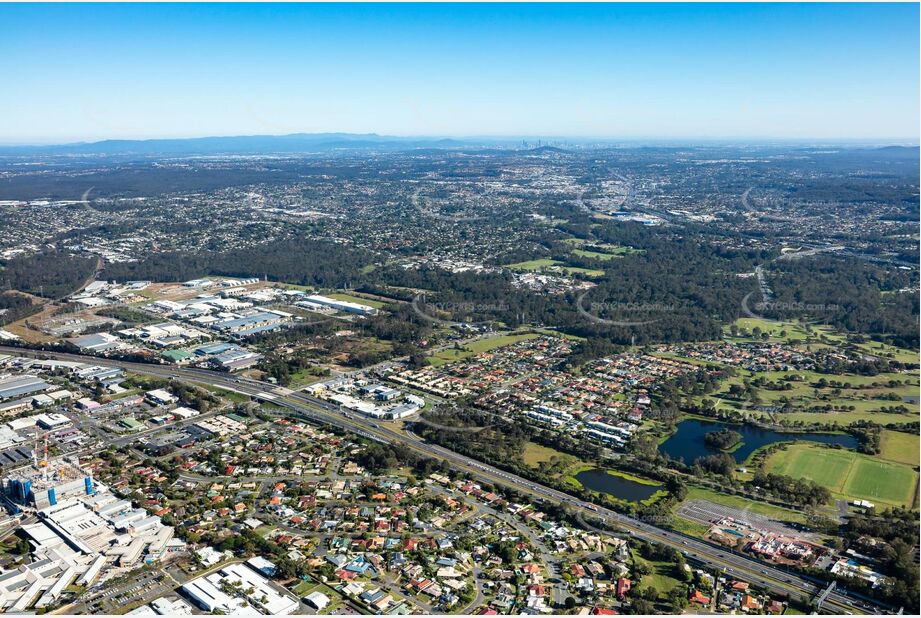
(546, 140)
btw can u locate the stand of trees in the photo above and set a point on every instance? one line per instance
(798, 491)
(380, 458)
(51, 274)
(281, 368)
(847, 293)
(719, 463)
(722, 439)
(869, 434)
(302, 261)
(17, 306)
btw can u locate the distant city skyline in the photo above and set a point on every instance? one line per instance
(608, 72)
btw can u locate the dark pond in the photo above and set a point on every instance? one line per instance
(688, 442)
(617, 486)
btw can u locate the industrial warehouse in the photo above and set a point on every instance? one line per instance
(258, 594)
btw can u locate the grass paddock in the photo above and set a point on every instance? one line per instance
(847, 474)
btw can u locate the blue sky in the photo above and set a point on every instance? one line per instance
(85, 72)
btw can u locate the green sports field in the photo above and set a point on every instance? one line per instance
(848, 474)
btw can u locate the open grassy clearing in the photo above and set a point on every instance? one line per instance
(296, 286)
(901, 355)
(556, 333)
(900, 447)
(304, 377)
(128, 392)
(573, 270)
(533, 264)
(847, 474)
(853, 379)
(845, 418)
(536, 454)
(361, 300)
(596, 255)
(146, 293)
(490, 343)
(686, 526)
(229, 395)
(554, 266)
(450, 355)
(793, 331)
(304, 588)
(603, 251)
(662, 577)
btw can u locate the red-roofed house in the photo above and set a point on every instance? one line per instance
(699, 597)
(749, 602)
(623, 587)
(346, 575)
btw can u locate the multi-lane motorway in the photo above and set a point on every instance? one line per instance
(711, 556)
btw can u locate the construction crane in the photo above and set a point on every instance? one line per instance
(44, 462)
(41, 464)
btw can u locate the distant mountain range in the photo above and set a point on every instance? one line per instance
(306, 143)
(295, 143)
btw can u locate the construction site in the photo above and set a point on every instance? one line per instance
(46, 482)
